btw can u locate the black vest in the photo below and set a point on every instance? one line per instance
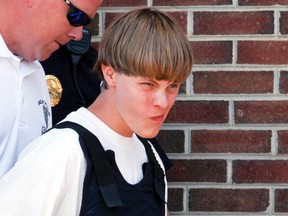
(105, 191)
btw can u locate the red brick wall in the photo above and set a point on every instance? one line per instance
(228, 131)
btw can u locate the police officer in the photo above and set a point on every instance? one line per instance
(70, 81)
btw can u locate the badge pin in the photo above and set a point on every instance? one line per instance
(54, 88)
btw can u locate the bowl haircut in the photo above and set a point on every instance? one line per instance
(148, 43)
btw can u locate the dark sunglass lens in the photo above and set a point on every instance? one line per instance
(77, 17)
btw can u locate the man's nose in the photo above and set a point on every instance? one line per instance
(161, 99)
(76, 33)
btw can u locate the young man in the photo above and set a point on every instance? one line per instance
(144, 57)
(29, 31)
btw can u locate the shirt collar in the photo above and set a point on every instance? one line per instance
(4, 51)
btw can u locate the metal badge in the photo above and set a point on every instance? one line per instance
(54, 88)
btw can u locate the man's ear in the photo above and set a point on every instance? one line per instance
(108, 74)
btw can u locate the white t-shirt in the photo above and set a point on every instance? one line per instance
(25, 105)
(48, 177)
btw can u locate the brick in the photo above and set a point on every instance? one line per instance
(212, 52)
(124, 3)
(283, 86)
(261, 112)
(181, 18)
(283, 142)
(171, 141)
(262, 52)
(175, 199)
(94, 26)
(199, 112)
(231, 141)
(219, 23)
(281, 200)
(197, 171)
(260, 171)
(262, 2)
(284, 22)
(228, 200)
(190, 2)
(236, 82)
(109, 17)
(182, 89)
(95, 45)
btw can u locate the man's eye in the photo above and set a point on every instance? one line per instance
(174, 85)
(147, 84)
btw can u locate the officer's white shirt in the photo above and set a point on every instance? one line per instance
(48, 178)
(24, 108)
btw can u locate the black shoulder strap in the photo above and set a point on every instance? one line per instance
(159, 182)
(101, 165)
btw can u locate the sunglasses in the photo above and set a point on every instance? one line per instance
(77, 17)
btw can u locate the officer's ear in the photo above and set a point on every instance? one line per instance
(109, 75)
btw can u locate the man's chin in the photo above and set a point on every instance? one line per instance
(45, 56)
(48, 51)
(149, 135)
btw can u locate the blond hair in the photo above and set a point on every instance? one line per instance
(148, 43)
